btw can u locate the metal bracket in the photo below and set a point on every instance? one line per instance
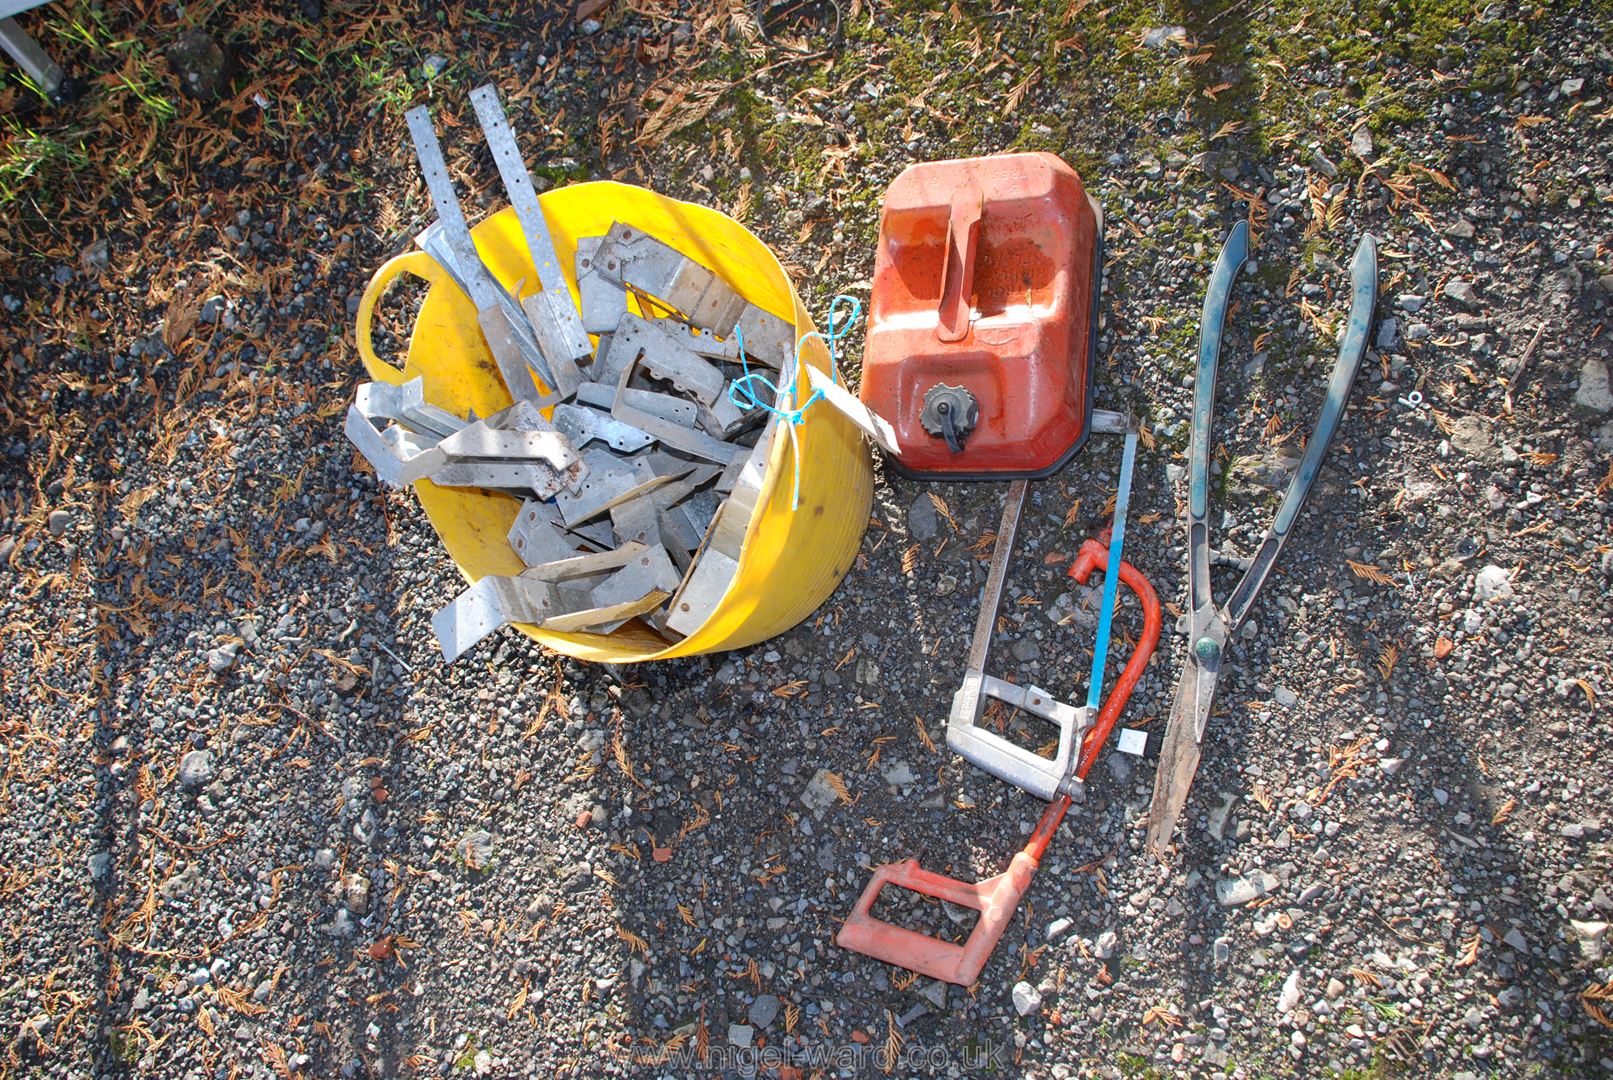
(534, 597)
(767, 337)
(498, 324)
(553, 313)
(34, 61)
(545, 461)
(583, 425)
(642, 262)
(656, 344)
(393, 465)
(405, 403)
(649, 574)
(535, 537)
(434, 242)
(636, 519)
(691, 442)
(610, 480)
(603, 301)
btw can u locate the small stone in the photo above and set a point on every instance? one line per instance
(1388, 334)
(196, 769)
(1159, 35)
(1288, 999)
(593, 26)
(475, 849)
(221, 659)
(356, 893)
(819, 795)
(1461, 229)
(1461, 291)
(740, 1034)
(433, 65)
(1492, 583)
(142, 1000)
(1516, 941)
(1058, 928)
(1595, 391)
(202, 65)
(1216, 823)
(1298, 1039)
(922, 520)
(1027, 1001)
(100, 866)
(1335, 989)
(1588, 936)
(1441, 796)
(898, 774)
(58, 521)
(1234, 892)
(97, 256)
(1361, 143)
(1105, 946)
(763, 1010)
(1391, 765)
(1323, 164)
(1572, 87)
(1285, 697)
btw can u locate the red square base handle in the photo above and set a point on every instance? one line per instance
(995, 899)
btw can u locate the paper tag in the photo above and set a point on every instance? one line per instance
(868, 422)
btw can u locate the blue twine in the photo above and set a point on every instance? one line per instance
(743, 394)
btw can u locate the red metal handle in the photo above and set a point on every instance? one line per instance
(995, 898)
(1094, 555)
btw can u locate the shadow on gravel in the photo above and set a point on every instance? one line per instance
(244, 879)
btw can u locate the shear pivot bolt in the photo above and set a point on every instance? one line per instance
(1207, 648)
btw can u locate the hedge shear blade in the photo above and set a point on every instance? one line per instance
(1207, 625)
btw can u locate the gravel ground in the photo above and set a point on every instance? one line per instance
(254, 827)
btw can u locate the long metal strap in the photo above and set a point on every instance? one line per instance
(478, 284)
(1363, 297)
(1111, 576)
(518, 182)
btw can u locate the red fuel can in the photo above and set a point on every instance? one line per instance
(983, 321)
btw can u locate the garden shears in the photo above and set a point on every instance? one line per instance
(1209, 626)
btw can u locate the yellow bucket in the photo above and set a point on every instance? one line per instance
(791, 560)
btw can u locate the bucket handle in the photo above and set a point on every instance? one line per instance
(418, 263)
(958, 275)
